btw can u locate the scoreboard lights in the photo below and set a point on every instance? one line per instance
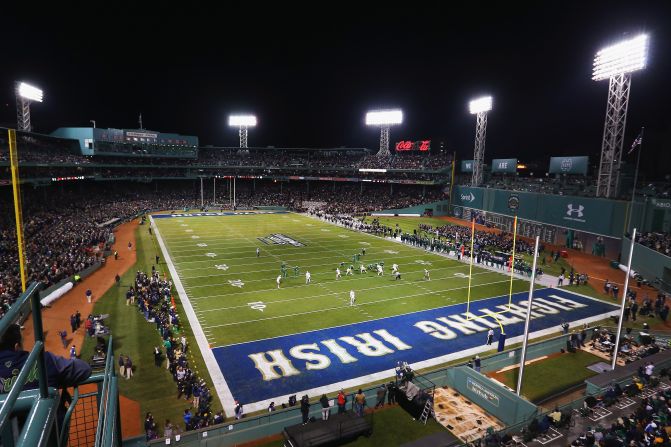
(421, 146)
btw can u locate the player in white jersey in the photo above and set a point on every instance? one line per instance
(380, 270)
(258, 252)
(349, 271)
(394, 268)
(338, 275)
(362, 268)
(308, 278)
(279, 280)
(427, 276)
(352, 298)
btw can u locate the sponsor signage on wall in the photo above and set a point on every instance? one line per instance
(666, 204)
(468, 197)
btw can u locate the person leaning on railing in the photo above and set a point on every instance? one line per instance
(61, 372)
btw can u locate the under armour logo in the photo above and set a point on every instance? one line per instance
(577, 210)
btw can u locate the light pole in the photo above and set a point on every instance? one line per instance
(25, 94)
(243, 123)
(616, 63)
(384, 119)
(479, 107)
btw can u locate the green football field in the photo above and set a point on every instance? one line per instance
(236, 299)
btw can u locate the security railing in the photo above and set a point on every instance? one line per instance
(38, 408)
(41, 404)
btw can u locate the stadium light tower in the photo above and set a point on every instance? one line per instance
(616, 63)
(479, 107)
(242, 122)
(25, 94)
(384, 119)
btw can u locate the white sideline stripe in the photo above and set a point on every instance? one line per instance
(311, 297)
(369, 303)
(218, 380)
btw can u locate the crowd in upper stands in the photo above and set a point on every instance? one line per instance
(64, 233)
(43, 149)
(568, 185)
(660, 242)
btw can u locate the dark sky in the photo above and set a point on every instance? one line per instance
(310, 74)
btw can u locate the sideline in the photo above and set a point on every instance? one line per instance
(223, 391)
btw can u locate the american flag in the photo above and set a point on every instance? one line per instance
(637, 142)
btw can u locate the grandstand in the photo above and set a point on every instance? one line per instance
(73, 203)
(165, 287)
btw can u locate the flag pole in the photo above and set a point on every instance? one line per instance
(525, 341)
(633, 190)
(624, 301)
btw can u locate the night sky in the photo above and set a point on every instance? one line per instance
(311, 74)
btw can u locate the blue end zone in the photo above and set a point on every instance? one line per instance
(223, 213)
(320, 358)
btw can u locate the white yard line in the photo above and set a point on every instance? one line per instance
(223, 261)
(312, 297)
(319, 274)
(220, 385)
(301, 285)
(370, 303)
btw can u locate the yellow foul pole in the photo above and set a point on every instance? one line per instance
(14, 167)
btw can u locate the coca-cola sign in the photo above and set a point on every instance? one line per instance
(408, 145)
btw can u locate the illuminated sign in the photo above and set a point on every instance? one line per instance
(63, 179)
(421, 146)
(508, 165)
(142, 134)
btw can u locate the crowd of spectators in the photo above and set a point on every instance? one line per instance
(573, 185)
(490, 248)
(65, 232)
(43, 149)
(500, 240)
(153, 297)
(660, 242)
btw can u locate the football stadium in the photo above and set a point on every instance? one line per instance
(409, 289)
